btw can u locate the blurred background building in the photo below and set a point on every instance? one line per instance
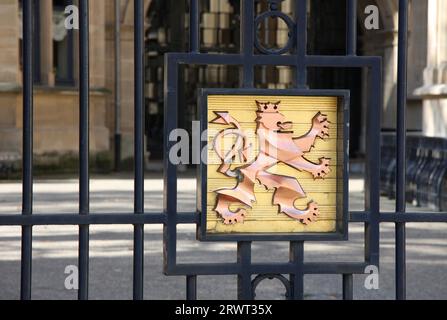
(56, 75)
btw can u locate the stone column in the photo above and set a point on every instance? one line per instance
(10, 79)
(100, 139)
(46, 42)
(9, 44)
(76, 52)
(97, 43)
(434, 90)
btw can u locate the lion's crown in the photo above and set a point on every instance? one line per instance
(268, 107)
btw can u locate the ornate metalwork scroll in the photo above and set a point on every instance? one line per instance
(275, 12)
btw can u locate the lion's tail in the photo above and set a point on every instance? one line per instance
(239, 148)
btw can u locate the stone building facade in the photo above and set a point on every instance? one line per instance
(56, 93)
(56, 80)
(56, 102)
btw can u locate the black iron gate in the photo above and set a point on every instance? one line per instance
(249, 274)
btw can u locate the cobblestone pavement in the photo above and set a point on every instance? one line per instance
(55, 247)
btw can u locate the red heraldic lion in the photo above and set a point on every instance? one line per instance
(276, 145)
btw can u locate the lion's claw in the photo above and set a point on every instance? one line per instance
(235, 218)
(321, 123)
(311, 215)
(323, 133)
(322, 169)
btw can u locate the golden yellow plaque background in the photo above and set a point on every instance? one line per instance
(264, 216)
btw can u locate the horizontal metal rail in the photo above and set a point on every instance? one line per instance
(40, 219)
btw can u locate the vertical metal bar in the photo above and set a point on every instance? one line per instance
(171, 108)
(245, 290)
(301, 40)
(401, 148)
(297, 278)
(194, 26)
(191, 288)
(348, 293)
(170, 171)
(247, 42)
(117, 85)
(351, 27)
(84, 201)
(27, 152)
(372, 179)
(138, 254)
